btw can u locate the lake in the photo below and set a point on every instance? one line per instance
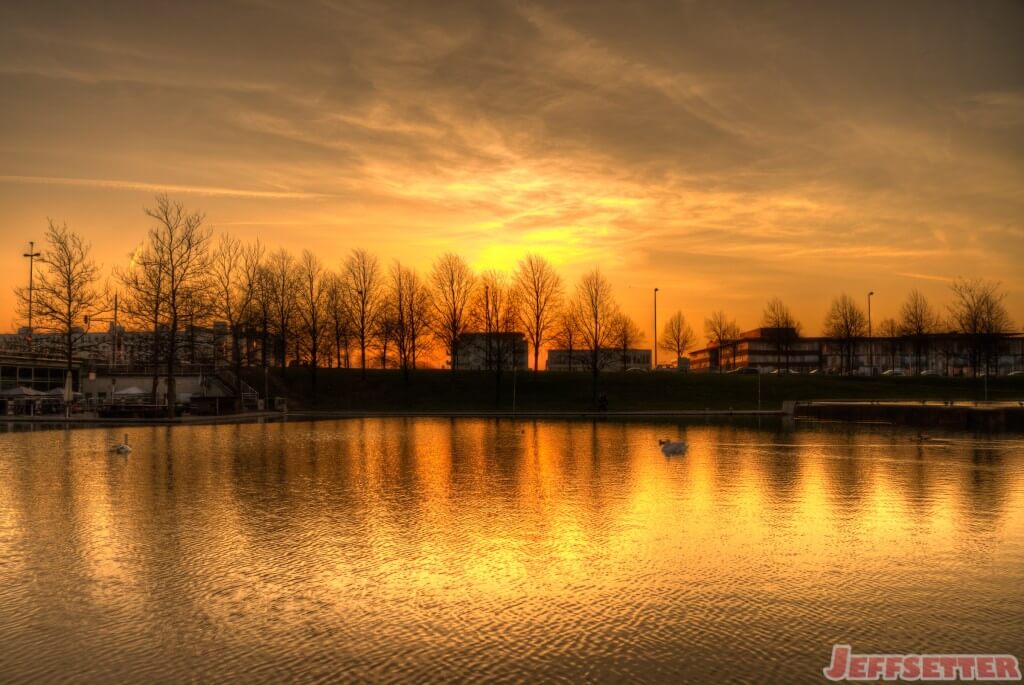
(429, 550)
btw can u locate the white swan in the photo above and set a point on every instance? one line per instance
(668, 447)
(122, 448)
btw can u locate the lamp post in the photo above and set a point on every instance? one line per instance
(31, 254)
(655, 329)
(871, 352)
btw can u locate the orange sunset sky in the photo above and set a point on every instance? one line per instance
(723, 152)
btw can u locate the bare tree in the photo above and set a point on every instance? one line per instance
(495, 310)
(282, 280)
(143, 304)
(566, 332)
(918, 321)
(339, 319)
(453, 286)
(539, 293)
(384, 329)
(979, 313)
(410, 300)
(312, 305)
(180, 244)
(235, 269)
(66, 296)
(721, 331)
(498, 311)
(363, 290)
(784, 329)
(595, 314)
(263, 307)
(676, 335)
(625, 335)
(845, 322)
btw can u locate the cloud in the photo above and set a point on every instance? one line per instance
(162, 187)
(840, 142)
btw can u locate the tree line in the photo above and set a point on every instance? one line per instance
(295, 309)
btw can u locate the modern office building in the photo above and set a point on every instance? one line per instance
(949, 354)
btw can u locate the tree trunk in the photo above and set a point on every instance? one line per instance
(172, 340)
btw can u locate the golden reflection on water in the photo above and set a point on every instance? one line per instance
(419, 549)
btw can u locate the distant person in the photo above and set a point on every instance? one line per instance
(602, 402)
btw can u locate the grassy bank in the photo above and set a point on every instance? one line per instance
(435, 390)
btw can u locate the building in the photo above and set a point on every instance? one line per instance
(487, 351)
(196, 345)
(38, 372)
(609, 359)
(948, 354)
(765, 349)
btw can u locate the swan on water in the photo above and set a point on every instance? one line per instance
(670, 447)
(122, 448)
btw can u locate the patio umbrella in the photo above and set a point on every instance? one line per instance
(69, 393)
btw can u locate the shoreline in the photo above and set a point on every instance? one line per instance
(327, 415)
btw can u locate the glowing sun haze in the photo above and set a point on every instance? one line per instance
(723, 152)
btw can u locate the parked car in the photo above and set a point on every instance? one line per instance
(745, 370)
(928, 372)
(894, 372)
(1016, 373)
(783, 372)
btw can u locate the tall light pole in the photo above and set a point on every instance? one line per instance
(31, 254)
(871, 352)
(655, 329)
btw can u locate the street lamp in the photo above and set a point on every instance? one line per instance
(31, 254)
(871, 352)
(655, 329)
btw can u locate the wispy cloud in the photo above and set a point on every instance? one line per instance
(211, 191)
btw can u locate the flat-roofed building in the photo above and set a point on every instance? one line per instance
(765, 349)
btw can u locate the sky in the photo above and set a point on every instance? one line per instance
(722, 152)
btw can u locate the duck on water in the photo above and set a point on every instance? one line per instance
(122, 448)
(672, 447)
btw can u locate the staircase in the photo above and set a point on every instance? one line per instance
(249, 399)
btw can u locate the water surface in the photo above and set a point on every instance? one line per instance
(426, 550)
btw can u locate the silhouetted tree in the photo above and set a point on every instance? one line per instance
(411, 301)
(364, 291)
(180, 245)
(282, 276)
(235, 273)
(143, 304)
(625, 334)
(845, 322)
(566, 331)
(918, 321)
(979, 313)
(721, 331)
(784, 329)
(339, 319)
(66, 296)
(676, 335)
(453, 286)
(384, 329)
(595, 311)
(539, 292)
(312, 309)
(497, 311)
